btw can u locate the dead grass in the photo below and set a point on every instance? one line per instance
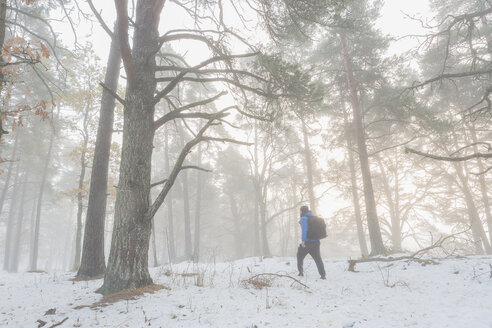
(124, 295)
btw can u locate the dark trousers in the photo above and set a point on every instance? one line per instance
(312, 248)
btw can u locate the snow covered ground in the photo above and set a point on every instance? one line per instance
(453, 293)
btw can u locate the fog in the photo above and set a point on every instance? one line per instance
(384, 135)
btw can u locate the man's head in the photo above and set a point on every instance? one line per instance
(304, 210)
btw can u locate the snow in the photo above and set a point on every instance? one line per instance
(456, 292)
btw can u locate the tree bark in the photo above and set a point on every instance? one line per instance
(33, 263)
(10, 221)
(14, 266)
(92, 262)
(128, 258)
(377, 246)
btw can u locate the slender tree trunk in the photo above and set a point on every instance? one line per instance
(256, 217)
(128, 258)
(256, 229)
(264, 237)
(377, 246)
(9, 170)
(295, 212)
(308, 161)
(32, 226)
(483, 184)
(478, 232)
(3, 25)
(238, 242)
(395, 220)
(186, 206)
(80, 195)
(10, 221)
(92, 263)
(154, 246)
(169, 201)
(35, 249)
(355, 199)
(353, 179)
(196, 253)
(14, 266)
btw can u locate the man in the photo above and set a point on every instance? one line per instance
(308, 246)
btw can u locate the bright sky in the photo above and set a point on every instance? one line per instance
(393, 21)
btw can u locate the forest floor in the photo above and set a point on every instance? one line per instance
(453, 292)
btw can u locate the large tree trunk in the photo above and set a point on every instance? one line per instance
(92, 263)
(128, 258)
(14, 266)
(9, 171)
(308, 160)
(169, 201)
(479, 236)
(10, 221)
(33, 263)
(377, 246)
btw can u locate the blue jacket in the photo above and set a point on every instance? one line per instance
(304, 226)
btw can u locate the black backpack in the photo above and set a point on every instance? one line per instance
(316, 228)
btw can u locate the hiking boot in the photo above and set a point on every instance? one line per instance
(323, 277)
(301, 274)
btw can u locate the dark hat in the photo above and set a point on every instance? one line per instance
(304, 209)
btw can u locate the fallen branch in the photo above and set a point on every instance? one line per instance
(412, 257)
(254, 279)
(59, 323)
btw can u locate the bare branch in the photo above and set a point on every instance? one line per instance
(174, 114)
(450, 76)
(449, 158)
(122, 31)
(113, 93)
(173, 81)
(100, 19)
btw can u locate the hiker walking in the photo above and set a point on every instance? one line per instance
(309, 246)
